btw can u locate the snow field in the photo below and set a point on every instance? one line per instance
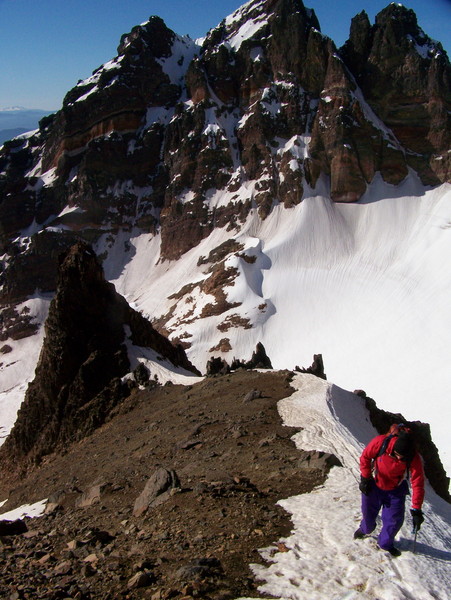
(17, 366)
(366, 285)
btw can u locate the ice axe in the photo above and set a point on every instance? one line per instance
(415, 530)
(417, 520)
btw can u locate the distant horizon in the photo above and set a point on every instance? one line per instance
(20, 108)
(49, 46)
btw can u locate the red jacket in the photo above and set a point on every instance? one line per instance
(389, 472)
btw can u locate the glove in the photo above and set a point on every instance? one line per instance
(417, 518)
(365, 484)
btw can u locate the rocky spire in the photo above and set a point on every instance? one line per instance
(84, 356)
(405, 76)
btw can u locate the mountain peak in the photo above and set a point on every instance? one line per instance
(172, 152)
(250, 22)
(399, 29)
(399, 13)
(153, 35)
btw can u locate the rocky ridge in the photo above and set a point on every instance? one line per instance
(230, 459)
(171, 498)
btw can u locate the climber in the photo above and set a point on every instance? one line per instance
(386, 465)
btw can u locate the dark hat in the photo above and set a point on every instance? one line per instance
(404, 445)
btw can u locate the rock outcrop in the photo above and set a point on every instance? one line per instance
(157, 489)
(78, 379)
(406, 79)
(316, 368)
(182, 138)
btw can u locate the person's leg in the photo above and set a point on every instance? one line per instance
(392, 516)
(371, 505)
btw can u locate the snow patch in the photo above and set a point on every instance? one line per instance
(183, 50)
(26, 510)
(246, 31)
(158, 114)
(160, 369)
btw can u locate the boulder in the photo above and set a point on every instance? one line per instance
(252, 395)
(92, 495)
(157, 490)
(314, 459)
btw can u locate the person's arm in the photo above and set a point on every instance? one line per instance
(368, 455)
(366, 462)
(417, 482)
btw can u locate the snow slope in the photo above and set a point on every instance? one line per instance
(368, 285)
(320, 559)
(17, 366)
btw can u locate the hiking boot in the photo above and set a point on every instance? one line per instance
(393, 551)
(358, 534)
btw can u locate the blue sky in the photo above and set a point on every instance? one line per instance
(48, 45)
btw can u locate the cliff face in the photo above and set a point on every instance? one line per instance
(176, 138)
(78, 380)
(405, 78)
(255, 114)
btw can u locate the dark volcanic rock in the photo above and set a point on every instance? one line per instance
(84, 355)
(13, 527)
(217, 366)
(259, 360)
(316, 368)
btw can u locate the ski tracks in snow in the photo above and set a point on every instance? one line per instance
(321, 560)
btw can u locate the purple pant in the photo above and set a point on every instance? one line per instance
(392, 503)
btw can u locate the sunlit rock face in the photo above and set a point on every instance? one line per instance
(260, 109)
(405, 77)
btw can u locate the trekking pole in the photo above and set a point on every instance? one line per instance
(415, 532)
